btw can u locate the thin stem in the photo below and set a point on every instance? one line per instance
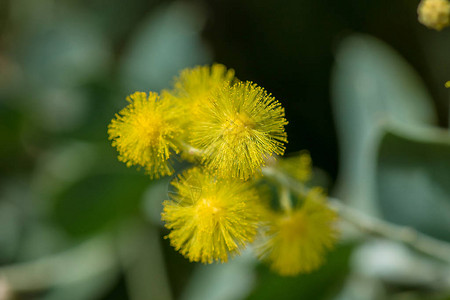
(407, 235)
(447, 85)
(142, 261)
(285, 198)
(191, 151)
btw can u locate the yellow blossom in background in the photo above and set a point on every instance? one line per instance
(238, 129)
(144, 133)
(210, 219)
(194, 86)
(298, 166)
(434, 14)
(447, 84)
(297, 240)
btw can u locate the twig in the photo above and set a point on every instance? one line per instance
(285, 198)
(407, 235)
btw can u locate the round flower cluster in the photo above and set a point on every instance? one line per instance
(230, 131)
(434, 14)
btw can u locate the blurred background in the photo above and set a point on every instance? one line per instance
(363, 87)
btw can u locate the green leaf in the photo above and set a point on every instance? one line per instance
(144, 269)
(320, 284)
(229, 281)
(88, 289)
(371, 86)
(62, 51)
(11, 223)
(168, 41)
(413, 177)
(12, 152)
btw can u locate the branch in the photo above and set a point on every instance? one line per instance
(431, 246)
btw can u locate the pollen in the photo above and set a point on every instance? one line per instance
(298, 240)
(144, 133)
(191, 90)
(210, 219)
(195, 85)
(298, 166)
(238, 129)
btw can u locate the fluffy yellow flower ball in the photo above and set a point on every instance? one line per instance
(210, 219)
(298, 239)
(145, 132)
(238, 129)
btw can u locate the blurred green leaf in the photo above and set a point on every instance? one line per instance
(62, 165)
(41, 238)
(143, 263)
(233, 280)
(64, 50)
(88, 289)
(166, 43)
(10, 226)
(59, 110)
(99, 201)
(11, 151)
(413, 180)
(87, 264)
(179, 269)
(320, 284)
(23, 235)
(153, 199)
(380, 261)
(371, 85)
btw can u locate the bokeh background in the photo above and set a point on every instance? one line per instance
(363, 87)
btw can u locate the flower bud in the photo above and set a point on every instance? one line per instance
(434, 14)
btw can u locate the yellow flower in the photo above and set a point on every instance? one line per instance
(298, 239)
(447, 84)
(210, 219)
(238, 129)
(434, 14)
(144, 133)
(298, 166)
(194, 86)
(192, 89)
